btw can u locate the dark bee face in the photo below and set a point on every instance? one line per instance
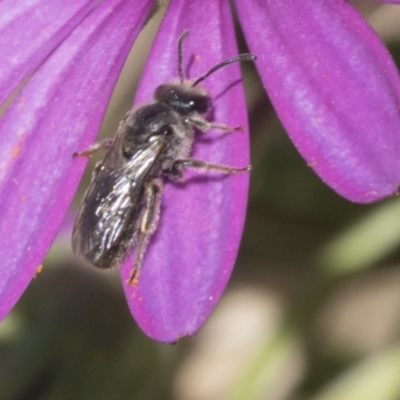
(185, 100)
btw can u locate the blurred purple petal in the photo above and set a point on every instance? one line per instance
(191, 255)
(58, 112)
(30, 30)
(335, 88)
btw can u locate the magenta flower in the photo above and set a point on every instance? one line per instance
(329, 77)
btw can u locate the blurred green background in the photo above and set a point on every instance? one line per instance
(312, 310)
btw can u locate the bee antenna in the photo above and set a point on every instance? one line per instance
(240, 57)
(180, 55)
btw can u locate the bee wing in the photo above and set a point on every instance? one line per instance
(114, 159)
(108, 216)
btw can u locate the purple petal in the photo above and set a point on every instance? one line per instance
(335, 88)
(56, 113)
(192, 253)
(30, 30)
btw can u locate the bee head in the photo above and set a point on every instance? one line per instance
(185, 100)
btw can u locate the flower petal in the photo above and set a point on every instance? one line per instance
(335, 88)
(191, 255)
(29, 31)
(55, 114)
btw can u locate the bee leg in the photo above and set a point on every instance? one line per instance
(148, 223)
(206, 166)
(204, 125)
(103, 145)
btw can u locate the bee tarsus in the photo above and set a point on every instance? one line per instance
(105, 144)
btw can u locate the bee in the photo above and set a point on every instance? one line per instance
(121, 207)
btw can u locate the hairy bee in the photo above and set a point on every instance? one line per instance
(121, 208)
